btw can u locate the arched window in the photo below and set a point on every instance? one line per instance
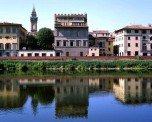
(7, 46)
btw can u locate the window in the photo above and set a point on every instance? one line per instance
(136, 44)
(151, 46)
(14, 30)
(128, 44)
(144, 54)
(84, 43)
(58, 43)
(29, 54)
(150, 31)
(81, 53)
(93, 54)
(144, 46)
(136, 53)
(1, 30)
(36, 54)
(151, 38)
(128, 53)
(43, 54)
(67, 54)
(136, 79)
(102, 44)
(144, 31)
(136, 37)
(64, 43)
(56, 54)
(8, 30)
(136, 31)
(128, 79)
(1, 46)
(71, 43)
(144, 37)
(77, 43)
(0, 37)
(109, 49)
(7, 46)
(129, 38)
(128, 31)
(22, 55)
(7, 37)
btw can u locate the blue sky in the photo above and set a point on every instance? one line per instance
(102, 14)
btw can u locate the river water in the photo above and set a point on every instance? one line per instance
(105, 98)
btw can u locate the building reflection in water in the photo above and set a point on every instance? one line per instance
(71, 95)
(133, 90)
(10, 95)
(39, 89)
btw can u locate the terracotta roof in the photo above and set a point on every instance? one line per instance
(7, 23)
(100, 32)
(138, 27)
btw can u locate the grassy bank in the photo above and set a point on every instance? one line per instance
(55, 73)
(75, 65)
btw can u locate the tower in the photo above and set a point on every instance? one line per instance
(34, 20)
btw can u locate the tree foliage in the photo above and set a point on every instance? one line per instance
(31, 42)
(45, 38)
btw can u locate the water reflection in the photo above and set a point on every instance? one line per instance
(71, 95)
(133, 90)
(10, 95)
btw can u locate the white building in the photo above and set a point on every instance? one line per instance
(133, 41)
(36, 53)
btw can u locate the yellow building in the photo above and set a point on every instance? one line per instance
(12, 38)
(104, 40)
(105, 45)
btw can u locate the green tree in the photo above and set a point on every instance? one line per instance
(45, 38)
(31, 42)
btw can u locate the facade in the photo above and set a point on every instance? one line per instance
(33, 20)
(71, 34)
(104, 40)
(93, 51)
(12, 38)
(133, 41)
(36, 53)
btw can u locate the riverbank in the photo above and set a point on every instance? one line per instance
(76, 65)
